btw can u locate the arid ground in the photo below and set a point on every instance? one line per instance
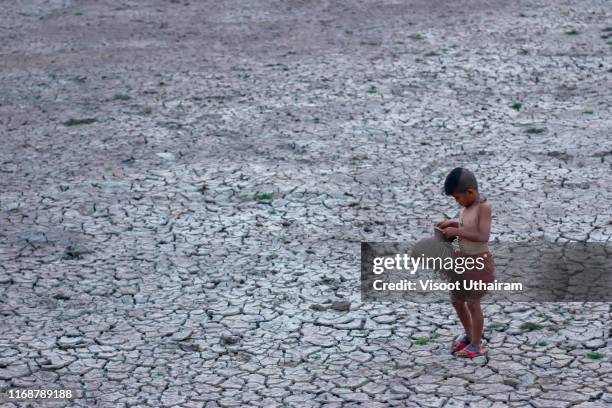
(185, 186)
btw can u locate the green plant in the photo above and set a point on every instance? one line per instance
(528, 326)
(76, 122)
(121, 97)
(264, 196)
(595, 355)
(372, 89)
(517, 106)
(421, 342)
(497, 326)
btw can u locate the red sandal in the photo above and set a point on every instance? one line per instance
(459, 343)
(467, 352)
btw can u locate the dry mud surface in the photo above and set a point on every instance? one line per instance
(185, 185)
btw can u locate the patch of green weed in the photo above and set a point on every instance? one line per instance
(77, 122)
(595, 355)
(528, 326)
(121, 97)
(264, 196)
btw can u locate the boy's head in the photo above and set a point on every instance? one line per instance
(461, 184)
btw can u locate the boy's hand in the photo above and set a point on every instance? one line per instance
(450, 232)
(442, 224)
(447, 223)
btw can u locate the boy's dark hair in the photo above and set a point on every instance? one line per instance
(459, 180)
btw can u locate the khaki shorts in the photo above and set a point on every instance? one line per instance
(486, 275)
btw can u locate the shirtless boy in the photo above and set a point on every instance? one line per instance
(472, 229)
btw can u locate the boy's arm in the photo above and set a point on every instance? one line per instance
(448, 223)
(484, 226)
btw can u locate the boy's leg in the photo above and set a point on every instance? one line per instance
(464, 316)
(477, 320)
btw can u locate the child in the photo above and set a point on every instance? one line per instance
(472, 230)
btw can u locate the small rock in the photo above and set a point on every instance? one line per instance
(341, 305)
(75, 251)
(230, 339)
(559, 155)
(512, 382)
(61, 295)
(317, 307)
(191, 347)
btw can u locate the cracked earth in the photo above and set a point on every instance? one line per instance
(185, 185)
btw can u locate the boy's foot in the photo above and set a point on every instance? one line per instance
(459, 343)
(471, 351)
